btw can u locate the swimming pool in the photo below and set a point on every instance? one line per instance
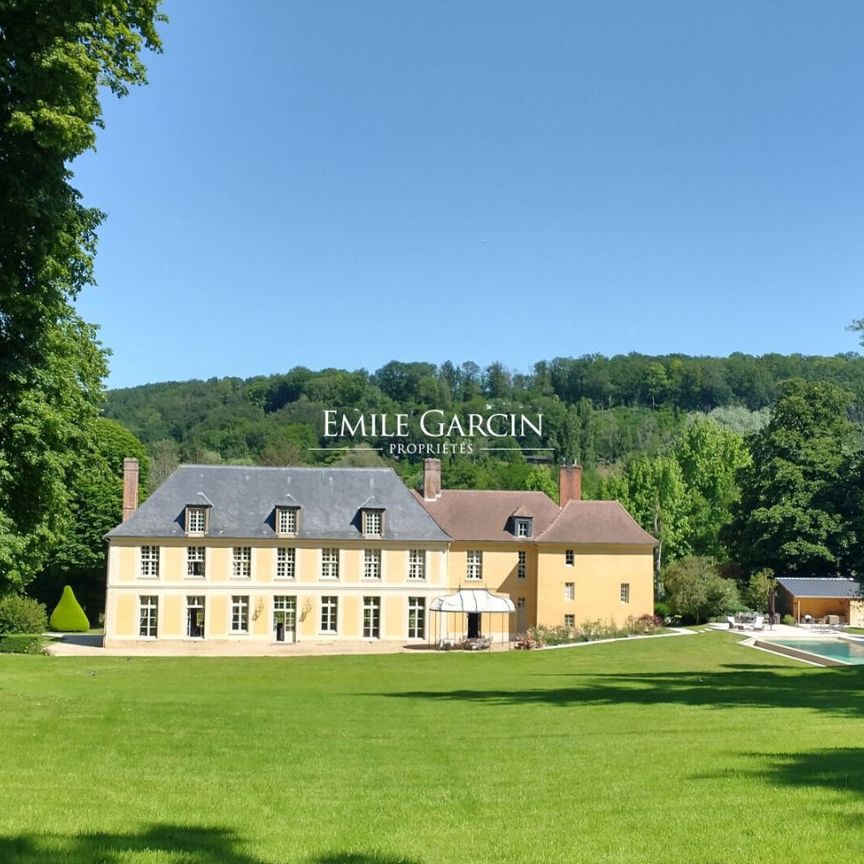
(833, 649)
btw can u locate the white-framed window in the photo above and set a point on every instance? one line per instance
(373, 523)
(416, 564)
(569, 557)
(329, 614)
(371, 617)
(240, 613)
(195, 616)
(522, 526)
(241, 562)
(286, 521)
(371, 563)
(416, 617)
(522, 564)
(329, 563)
(474, 569)
(569, 620)
(149, 562)
(569, 590)
(196, 520)
(148, 616)
(625, 592)
(196, 561)
(286, 562)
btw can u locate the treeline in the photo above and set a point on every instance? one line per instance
(597, 410)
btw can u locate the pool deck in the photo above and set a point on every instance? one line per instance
(787, 631)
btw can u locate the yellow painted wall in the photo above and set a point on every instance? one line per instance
(173, 586)
(596, 574)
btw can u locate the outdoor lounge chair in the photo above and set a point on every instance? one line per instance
(731, 621)
(759, 623)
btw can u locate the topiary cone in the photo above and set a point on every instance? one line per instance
(68, 616)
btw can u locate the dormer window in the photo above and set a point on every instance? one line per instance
(286, 521)
(522, 526)
(373, 523)
(196, 520)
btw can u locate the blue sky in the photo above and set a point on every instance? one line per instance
(348, 182)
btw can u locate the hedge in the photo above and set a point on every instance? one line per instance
(20, 643)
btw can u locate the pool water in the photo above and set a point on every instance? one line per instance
(834, 649)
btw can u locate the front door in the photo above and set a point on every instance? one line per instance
(473, 625)
(284, 618)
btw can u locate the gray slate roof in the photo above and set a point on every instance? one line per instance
(823, 587)
(243, 502)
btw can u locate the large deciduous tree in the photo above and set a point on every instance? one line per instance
(793, 515)
(54, 57)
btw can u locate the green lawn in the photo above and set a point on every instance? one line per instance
(684, 749)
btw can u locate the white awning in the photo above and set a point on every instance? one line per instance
(472, 600)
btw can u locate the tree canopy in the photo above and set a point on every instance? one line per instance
(793, 514)
(54, 57)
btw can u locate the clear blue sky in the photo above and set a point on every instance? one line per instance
(347, 182)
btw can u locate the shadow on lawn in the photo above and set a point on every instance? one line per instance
(191, 845)
(840, 769)
(177, 843)
(838, 690)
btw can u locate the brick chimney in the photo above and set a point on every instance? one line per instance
(431, 479)
(569, 484)
(130, 487)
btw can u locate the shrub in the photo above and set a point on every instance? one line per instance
(662, 610)
(20, 643)
(68, 616)
(788, 619)
(22, 615)
(643, 625)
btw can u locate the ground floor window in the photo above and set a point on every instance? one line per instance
(625, 592)
(371, 617)
(329, 614)
(239, 614)
(148, 617)
(569, 620)
(416, 617)
(284, 618)
(195, 617)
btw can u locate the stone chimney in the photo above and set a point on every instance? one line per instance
(569, 484)
(130, 487)
(431, 479)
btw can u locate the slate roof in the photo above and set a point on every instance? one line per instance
(243, 501)
(469, 514)
(604, 522)
(821, 587)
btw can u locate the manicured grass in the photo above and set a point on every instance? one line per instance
(685, 749)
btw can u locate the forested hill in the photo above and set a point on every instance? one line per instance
(596, 409)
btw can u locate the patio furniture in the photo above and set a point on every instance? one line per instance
(759, 623)
(731, 621)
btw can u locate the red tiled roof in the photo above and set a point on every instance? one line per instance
(603, 522)
(469, 514)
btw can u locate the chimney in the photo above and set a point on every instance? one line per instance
(569, 484)
(130, 487)
(431, 479)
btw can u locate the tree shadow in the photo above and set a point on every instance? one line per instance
(840, 769)
(837, 690)
(189, 845)
(183, 844)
